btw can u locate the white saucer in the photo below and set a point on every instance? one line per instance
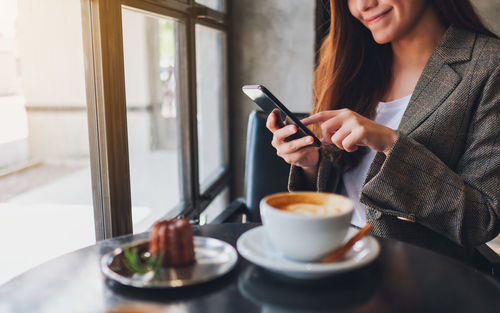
(254, 246)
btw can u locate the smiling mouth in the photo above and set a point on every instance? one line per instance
(377, 17)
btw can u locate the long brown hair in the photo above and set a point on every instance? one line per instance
(355, 72)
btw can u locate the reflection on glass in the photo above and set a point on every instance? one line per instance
(45, 186)
(211, 91)
(218, 5)
(216, 207)
(151, 71)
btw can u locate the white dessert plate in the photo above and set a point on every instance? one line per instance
(255, 246)
(213, 258)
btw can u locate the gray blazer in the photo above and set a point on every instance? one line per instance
(439, 186)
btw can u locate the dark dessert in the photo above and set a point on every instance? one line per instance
(172, 240)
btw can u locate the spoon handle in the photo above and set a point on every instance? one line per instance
(337, 254)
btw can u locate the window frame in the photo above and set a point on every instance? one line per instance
(107, 112)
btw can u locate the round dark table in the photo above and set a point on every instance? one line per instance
(404, 278)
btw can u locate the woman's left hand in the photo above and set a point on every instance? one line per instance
(348, 130)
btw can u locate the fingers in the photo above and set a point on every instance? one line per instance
(353, 140)
(319, 117)
(349, 144)
(297, 157)
(338, 137)
(271, 122)
(330, 127)
(290, 147)
(281, 134)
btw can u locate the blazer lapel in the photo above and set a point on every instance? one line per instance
(438, 78)
(437, 82)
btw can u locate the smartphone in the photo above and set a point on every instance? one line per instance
(268, 102)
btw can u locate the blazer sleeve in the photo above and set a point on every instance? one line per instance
(296, 180)
(461, 204)
(327, 178)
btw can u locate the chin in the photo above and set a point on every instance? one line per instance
(383, 37)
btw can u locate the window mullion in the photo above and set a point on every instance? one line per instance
(92, 120)
(161, 5)
(208, 15)
(106, 91)
(192, 176)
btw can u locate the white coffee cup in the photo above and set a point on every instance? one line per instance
(306, 226)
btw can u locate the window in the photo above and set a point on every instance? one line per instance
(157, 92)
(151, 60)
(211, 94)
(112, 116)
(45, 184)
(218, 5)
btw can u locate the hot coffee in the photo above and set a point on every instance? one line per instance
(312, 204)
(305, 226)
(311, 209)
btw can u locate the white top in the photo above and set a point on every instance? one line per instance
(388, 114)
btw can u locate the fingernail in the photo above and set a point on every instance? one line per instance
(309, 139)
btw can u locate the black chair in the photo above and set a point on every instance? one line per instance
(266, 173)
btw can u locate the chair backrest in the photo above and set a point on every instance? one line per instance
(265, 172)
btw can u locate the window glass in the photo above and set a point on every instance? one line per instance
(216, 207)
(211, 98)
(151, 79)
(45, 185)
(218, 5)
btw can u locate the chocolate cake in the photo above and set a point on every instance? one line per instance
(173, 241)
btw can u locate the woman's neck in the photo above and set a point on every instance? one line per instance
(415, 47)
(410, 54)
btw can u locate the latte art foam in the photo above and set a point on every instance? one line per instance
(311, 209)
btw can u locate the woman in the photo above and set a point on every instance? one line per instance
(407, 103)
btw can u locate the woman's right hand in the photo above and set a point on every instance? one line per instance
(295, 152)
